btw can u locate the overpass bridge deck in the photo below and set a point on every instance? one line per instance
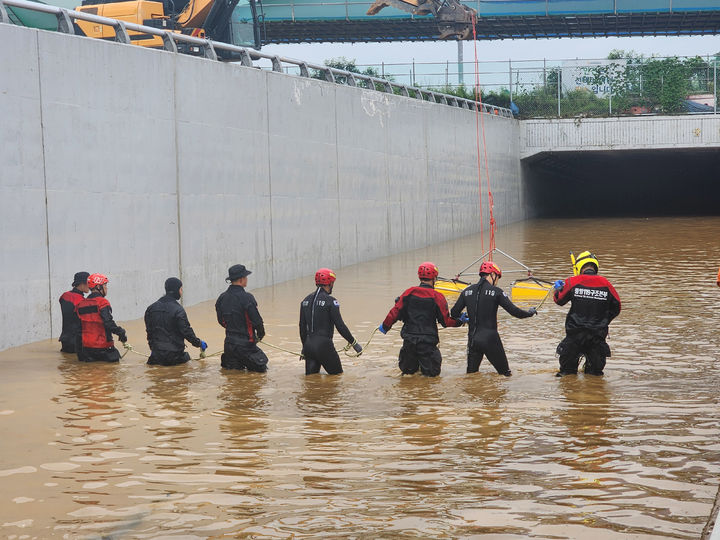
(624, 133)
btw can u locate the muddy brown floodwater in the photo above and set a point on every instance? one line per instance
(132, 451)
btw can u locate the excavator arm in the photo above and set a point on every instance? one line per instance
(455, 20)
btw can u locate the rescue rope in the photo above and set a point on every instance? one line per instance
(480, 119)
(477, 133)
(281, 349)
(543, 300)
(130, 348)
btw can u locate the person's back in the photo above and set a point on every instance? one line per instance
(237, 312)
(420, 308)
(319, 317)
(167, 327)
(98, 325)
(481, 300)
(233, 308)
(594, 304)
(71, 327)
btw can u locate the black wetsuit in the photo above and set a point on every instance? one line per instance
(482, 300)
(237, 312)
(595, 303)
(70, 336)
(167, 328)
(420, 308)
(319, 316)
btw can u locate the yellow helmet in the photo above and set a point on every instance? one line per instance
(585, 258)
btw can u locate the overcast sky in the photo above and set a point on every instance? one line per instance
(551, 49)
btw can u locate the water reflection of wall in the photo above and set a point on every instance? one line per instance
(170, 388)
(90, 390)
(586, 415)
(244, 419)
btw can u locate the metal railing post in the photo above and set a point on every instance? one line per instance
(209, 51)
(246, 61)
(169, 43)
(715, 85)
(4, 18)
(121, 35)
(65, 25)
(276, 64)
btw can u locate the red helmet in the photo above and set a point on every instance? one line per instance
(489, 267)
(96, 279)
(427, 270)
(324, 276)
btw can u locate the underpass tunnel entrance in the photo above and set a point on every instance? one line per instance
(623, 183)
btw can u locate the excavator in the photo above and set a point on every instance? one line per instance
(455, 20)
(200, 18)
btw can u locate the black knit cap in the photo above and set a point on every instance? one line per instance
(80, 277)
(173, 284)
(237, 271)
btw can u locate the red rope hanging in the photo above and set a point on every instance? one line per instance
(480, 126)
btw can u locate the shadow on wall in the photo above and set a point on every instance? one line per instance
(623, 183)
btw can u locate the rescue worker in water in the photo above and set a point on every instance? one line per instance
(481, 301)
(237, 312)
(167, 328)
(420, 308)
(71, 329)
(319, 316)
(595, 303)
(97, 323)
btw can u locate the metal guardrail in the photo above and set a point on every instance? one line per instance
(209, 49)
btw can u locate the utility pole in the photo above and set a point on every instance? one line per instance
(461, 75)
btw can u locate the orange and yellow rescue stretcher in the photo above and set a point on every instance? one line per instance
(529, 289)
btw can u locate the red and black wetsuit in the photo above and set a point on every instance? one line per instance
(71, 328)
(167, 328)
(420, 308)
(482, 300)
(98, 326)
(237, 312)
(595, 303)
(319, 316)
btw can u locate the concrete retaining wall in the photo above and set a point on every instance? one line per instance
(143, 164)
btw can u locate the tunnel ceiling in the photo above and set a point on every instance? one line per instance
(624, 183)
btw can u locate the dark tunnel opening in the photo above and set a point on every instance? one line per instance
(668, 182)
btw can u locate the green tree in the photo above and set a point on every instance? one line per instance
(658, 84)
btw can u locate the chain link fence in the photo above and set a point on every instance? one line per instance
(631, 85)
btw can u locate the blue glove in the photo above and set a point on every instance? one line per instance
(203, 345)
(559, 284)
(358, 348)
(464, 318)
(532, 311)
(382, 329)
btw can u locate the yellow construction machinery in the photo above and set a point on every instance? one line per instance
(199, 18)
